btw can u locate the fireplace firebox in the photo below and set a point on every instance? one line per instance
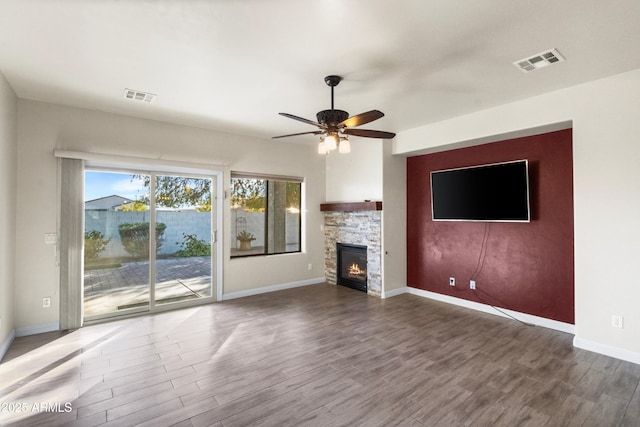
(352, 266)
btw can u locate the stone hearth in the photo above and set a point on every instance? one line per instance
(355, 228)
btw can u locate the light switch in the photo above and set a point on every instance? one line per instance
(50, 238)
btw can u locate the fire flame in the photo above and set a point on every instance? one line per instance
(354, 269)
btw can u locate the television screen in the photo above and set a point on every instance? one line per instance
(494, 192)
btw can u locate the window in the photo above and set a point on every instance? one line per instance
(265, 214)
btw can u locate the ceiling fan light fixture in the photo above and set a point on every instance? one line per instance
(321, 148)
(345, 146)
(331, 142)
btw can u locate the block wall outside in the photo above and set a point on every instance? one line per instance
(180, 223)
(253, 222)
(177, 224)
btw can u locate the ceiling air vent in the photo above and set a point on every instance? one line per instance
(136, 95)
(540, 60)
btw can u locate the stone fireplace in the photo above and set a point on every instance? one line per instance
(354, 224)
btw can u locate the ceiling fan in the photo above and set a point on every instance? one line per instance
(334, 124)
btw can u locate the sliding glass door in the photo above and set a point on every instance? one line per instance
(184, 217)
(149, 241)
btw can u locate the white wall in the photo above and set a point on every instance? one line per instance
(606, 151)
(372, 172)
(8, 147)
(355, 176)
(394, 220)
(44, 127)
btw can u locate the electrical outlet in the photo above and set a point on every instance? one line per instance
(616, 321)
(452, 281)
(472, 284)
(310, 267)
(46, 302)
(50, 238)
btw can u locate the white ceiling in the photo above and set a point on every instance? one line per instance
(232, 65)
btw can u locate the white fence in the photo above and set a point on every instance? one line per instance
(180, 223)
(177, 223)
(253, 222)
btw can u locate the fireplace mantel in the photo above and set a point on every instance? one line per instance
(351, 206)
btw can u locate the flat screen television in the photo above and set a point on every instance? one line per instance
(493, 192)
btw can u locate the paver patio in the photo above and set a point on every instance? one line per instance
(114, 289)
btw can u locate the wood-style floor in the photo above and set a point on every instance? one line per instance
(316, 355)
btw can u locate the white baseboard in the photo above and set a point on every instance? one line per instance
(37, 329)
(607, 350)
(272, 288)
(485, 308)
(7, 343)
(394, 292)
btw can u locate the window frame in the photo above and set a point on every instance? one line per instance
(268, 179)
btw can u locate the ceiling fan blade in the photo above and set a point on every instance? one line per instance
(367, 133)
(315, 132)
(362, 119)
(300, 119)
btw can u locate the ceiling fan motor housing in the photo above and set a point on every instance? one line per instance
(332, 117)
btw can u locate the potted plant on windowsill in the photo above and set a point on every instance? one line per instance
(245, 239)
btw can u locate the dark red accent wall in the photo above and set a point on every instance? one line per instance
(526, 267)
